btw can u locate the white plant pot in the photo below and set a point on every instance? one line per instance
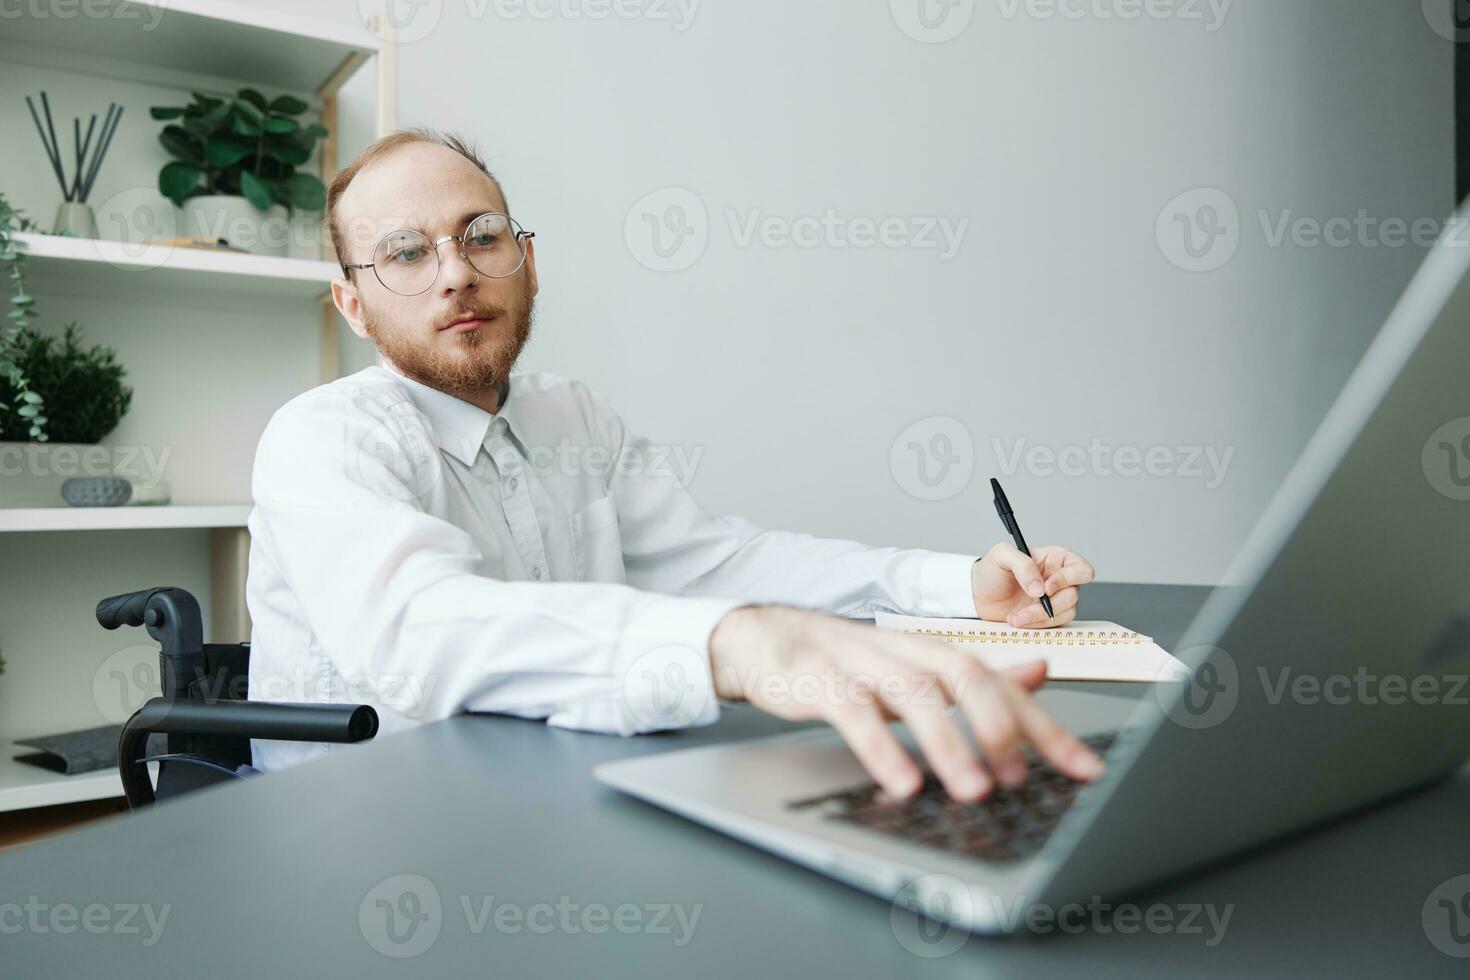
(239, 222)
(308, 236)
(31, 473)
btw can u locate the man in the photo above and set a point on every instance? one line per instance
(437, 534)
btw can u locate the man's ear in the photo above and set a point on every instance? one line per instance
(531, 267)
(344, 295)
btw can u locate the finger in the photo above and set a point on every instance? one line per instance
(981, 696)
(1064, 609)
(1058, 746)
(1022, 567)
(1028, 677)
(863, 729)
(1075, 571)
(942, 741)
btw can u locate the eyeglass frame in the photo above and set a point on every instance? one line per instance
(521, 235)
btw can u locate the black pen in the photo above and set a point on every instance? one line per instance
(1008, 518)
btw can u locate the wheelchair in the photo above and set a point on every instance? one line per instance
(203, 706)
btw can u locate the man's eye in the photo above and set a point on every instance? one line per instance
(410, 254)
(483, 241)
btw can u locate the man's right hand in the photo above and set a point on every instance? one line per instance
(801, 665)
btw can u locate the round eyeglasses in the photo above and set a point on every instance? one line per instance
(407, 262)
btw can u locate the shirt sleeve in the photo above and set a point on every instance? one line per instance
(392, 592)
(672, 545)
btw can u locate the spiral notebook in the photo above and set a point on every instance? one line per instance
(1080, 651)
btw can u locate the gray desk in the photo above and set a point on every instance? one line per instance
(268, 878)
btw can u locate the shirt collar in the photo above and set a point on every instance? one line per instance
(460, 427)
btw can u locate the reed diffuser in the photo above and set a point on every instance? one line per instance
(74, 216)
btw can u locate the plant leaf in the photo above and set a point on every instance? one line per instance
(245, 127)
(177, 141)
(177, 179)
(288, 104)
(279, 124)
(306, 192)
(253, 97)
(223, 153)
(287, 151)
(256, 191)
(249, 111)
(165, 112)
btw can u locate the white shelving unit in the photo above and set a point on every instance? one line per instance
(178, 46)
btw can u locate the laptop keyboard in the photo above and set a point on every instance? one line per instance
(1009, 825)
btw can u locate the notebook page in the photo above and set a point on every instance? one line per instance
(1079, 651)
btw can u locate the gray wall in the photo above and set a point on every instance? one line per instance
(810, 382)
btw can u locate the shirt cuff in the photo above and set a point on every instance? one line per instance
(945, 586)
(667, 681)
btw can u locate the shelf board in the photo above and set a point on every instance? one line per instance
(122, 518)
(23, 785)
(242, 42)
(95, 265)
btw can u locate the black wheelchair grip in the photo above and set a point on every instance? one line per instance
(124, 610)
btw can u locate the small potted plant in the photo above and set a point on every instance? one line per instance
(234, 168)
(85, 399)
(23, 406)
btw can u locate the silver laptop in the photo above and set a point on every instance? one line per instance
(1357, 579)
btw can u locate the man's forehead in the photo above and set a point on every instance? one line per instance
(433, 193)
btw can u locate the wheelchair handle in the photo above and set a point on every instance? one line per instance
(124, 610)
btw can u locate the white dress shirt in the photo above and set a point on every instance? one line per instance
(414, 552)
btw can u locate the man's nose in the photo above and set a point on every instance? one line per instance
(457, 274)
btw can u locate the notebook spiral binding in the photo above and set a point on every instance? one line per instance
(1083, 638)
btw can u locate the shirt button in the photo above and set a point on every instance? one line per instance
(536, 573)
(514, 482)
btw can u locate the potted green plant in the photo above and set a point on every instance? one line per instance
(234, 169)
(86, 398)
(21, 407)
